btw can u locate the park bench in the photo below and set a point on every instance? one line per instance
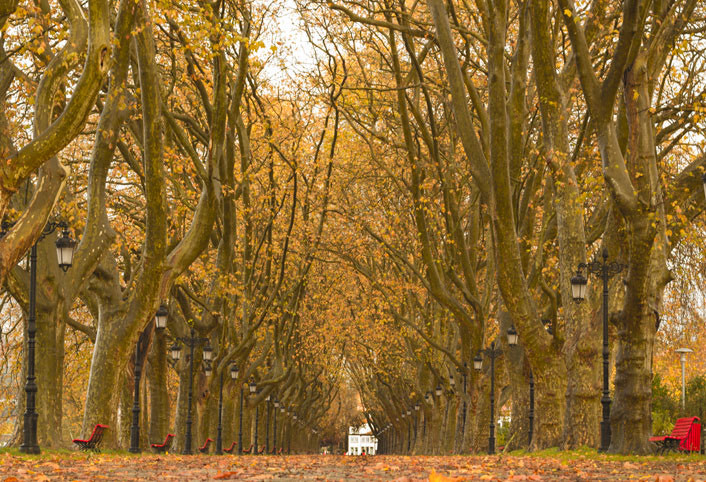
(279, 452)
(685, 437)
(94, 441)
(204, 448)
(230, 449)
(163, 447)
(248, 450)
(261, 451)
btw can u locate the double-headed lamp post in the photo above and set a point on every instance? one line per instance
(65, 246)
(160, 322)
(491, 353)
(605, 270)
(682, 358)
(191, 341)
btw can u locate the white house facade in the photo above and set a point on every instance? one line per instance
(361, 441)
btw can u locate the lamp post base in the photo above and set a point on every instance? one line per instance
(29, 444)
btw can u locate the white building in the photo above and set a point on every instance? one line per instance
(361, 441)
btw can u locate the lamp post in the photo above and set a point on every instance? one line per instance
(416, 421)
(267, 425)
(65, 252)
(160, 322)
(191, 341)
(409, 430)
(605, 270)
(219, 437)
(491, 353)
(682, 358)
(234, 372)
(253, 392)
(274, 429)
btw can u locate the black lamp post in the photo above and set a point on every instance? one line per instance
(605, 270)
(253, 392)
(234, 372)
(409, 430)
(219, 437)
(160, 322)
(267, 425)
(191, 341)
(492, 353)
(65, 246)
(417, 406)
(274, 429)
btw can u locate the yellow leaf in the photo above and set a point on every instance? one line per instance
(567, 12)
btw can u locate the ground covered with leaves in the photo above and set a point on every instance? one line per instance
(545, 466)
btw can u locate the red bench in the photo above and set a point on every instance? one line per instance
(248, 450)
(204, 448)
(685, 437)
(279, 452)
(230, 449)
(261, 451)
(163, 447)
(94, 441)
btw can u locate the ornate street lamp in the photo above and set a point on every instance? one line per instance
(478, 362)
(135, 427)
(65, 246)
(512, 336)
(175, 351)
(191, 341)
(578, 287)
(605, 270)
(160, 318)
(65, 252)
(491, 353)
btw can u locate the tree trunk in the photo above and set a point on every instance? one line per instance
(107, 365)
(158, 395)
(50, 376)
